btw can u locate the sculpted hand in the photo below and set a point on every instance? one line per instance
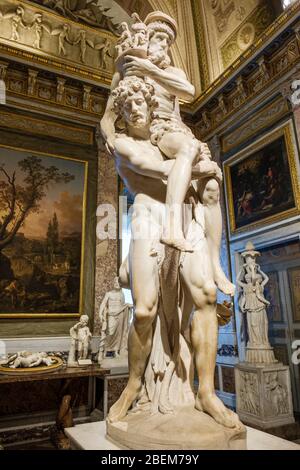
(137, 66)
(207, 168)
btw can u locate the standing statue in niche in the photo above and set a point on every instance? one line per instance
(174, 289)
(80, 342)
(253, 303)
(114, 319)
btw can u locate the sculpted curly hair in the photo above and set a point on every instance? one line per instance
(128, 87)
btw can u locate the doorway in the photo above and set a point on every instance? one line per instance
(282, 264)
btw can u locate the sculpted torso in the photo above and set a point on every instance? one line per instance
(126, 151)
(83, 334)
(115, 302)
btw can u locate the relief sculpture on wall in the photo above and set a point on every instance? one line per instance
(40, 31)
(105, 14)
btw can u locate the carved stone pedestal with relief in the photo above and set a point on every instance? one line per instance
(263, 393)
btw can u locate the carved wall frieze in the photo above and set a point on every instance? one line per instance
(31, 84)
(104, 14)
(48, 36)
(77, 135)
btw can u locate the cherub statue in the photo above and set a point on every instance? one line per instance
(27, 359)
(125, 40)
(140, 32)
(80, 340)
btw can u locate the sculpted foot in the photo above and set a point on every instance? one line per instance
(223, 283)
(119, 410)
(165, 407)
(213, 406)
(180, 244)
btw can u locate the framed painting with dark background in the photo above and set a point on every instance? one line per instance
(42, 227)
(262, 182)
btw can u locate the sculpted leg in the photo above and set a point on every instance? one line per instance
(204, 336)
(210, 197)
(184, 150)
(145, 295)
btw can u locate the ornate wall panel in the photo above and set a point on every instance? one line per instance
(39, 36)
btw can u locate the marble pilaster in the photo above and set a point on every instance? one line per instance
(107, 249)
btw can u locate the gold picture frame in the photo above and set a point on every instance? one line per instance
(261, 182)
(83, 205)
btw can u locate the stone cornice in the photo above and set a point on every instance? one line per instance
(262, 77)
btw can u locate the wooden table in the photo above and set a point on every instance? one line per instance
(64, 416)
(63, 373)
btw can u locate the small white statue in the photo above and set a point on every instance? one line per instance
(28, 359)
(114, 320)
(80, 342)
(252, 302)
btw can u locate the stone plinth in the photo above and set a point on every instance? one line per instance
(186, 429)
(91, 436)
(260, 355)
(263, 394)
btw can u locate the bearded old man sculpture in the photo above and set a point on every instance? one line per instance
(173, 268)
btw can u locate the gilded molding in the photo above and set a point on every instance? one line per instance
(77, 135)
(31, 86)
(287, 132)
(201, 45)
(267, 73)
(250, 29)
(264, 118)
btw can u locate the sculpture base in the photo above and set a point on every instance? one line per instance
(260, 355)
(117, 365)
(186, 429)
(263, 394)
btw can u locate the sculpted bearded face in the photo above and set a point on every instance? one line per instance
(158, 48)
(136, 110)
(132, 101)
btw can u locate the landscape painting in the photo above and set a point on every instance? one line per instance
(42, 205)
(260, 185)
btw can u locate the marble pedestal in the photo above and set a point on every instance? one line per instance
(92, 436)
(185, 429)
(263, 394)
